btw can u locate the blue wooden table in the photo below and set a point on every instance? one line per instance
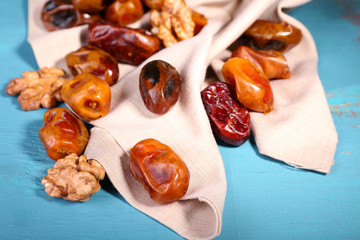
(265, 199)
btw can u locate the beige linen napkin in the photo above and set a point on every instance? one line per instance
(186, 128)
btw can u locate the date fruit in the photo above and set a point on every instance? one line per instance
(154, 4)
(90, 59)
(267, 35)
(63, 133)
(200, 21)
(88, 96)
(57, 14)
(124, 12)
(252, 87)
(162, 172)
(229, 120)
(159, 84)
(126, 45)
(91, 6)
(271, 62)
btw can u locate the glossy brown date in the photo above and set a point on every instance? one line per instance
(90, 59)
(267, 35)
(200, 21)
(229, 120)
(162, 172)
(88, 96)
(57, 14)
(124, 12)
(91, 6)
(159, 84)
(63, 133)
(154, 4)
(271, 62)
(252, 87)
(126, 45)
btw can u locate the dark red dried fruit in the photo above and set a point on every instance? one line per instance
(57, 14)
(126, 45)
(90, 59)
(159, 84)
(229, 120)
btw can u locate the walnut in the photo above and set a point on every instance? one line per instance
(38, 88)
(173, 23)
(74, 178)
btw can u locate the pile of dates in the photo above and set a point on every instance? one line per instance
(257, 59)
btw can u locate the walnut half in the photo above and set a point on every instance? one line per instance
(173, 23)
(74, 178)
(38, 88)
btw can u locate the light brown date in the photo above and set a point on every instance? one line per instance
(88, 96)
(57, 14)
(126, 45)
(252, 87)
(63, 133)
(268, 35)
(159, 84)
(271, 62)
(90, 59)
(124, 12)
(162, 172)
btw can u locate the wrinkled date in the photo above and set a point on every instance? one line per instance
(88, 96)
(162, 172)
(63, 133)
(126, 45)
(124, 12)
(229, 120)
(91, 6)
(159, 84)
(271, 62)
(267, 35)
(90, 59)
(57, 14)
(252, 87)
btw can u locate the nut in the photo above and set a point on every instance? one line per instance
(173, 23)
(38, 88)
(74, 178)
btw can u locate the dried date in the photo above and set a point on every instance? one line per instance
(268, 35)
(91, 6)
(229, 120)
(271, 62)
(88, 96)
(159, 84)
(63, 133)
(124, 12)
(90, 59)
(162, 172)
(252, 87)
(57, 14)
(126, 45)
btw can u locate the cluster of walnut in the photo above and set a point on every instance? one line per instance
(38, 88)
(74, 178)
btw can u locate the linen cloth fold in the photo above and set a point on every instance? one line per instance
(299, 131)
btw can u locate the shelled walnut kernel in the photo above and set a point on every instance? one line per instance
(74, 178)
(38, 88)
